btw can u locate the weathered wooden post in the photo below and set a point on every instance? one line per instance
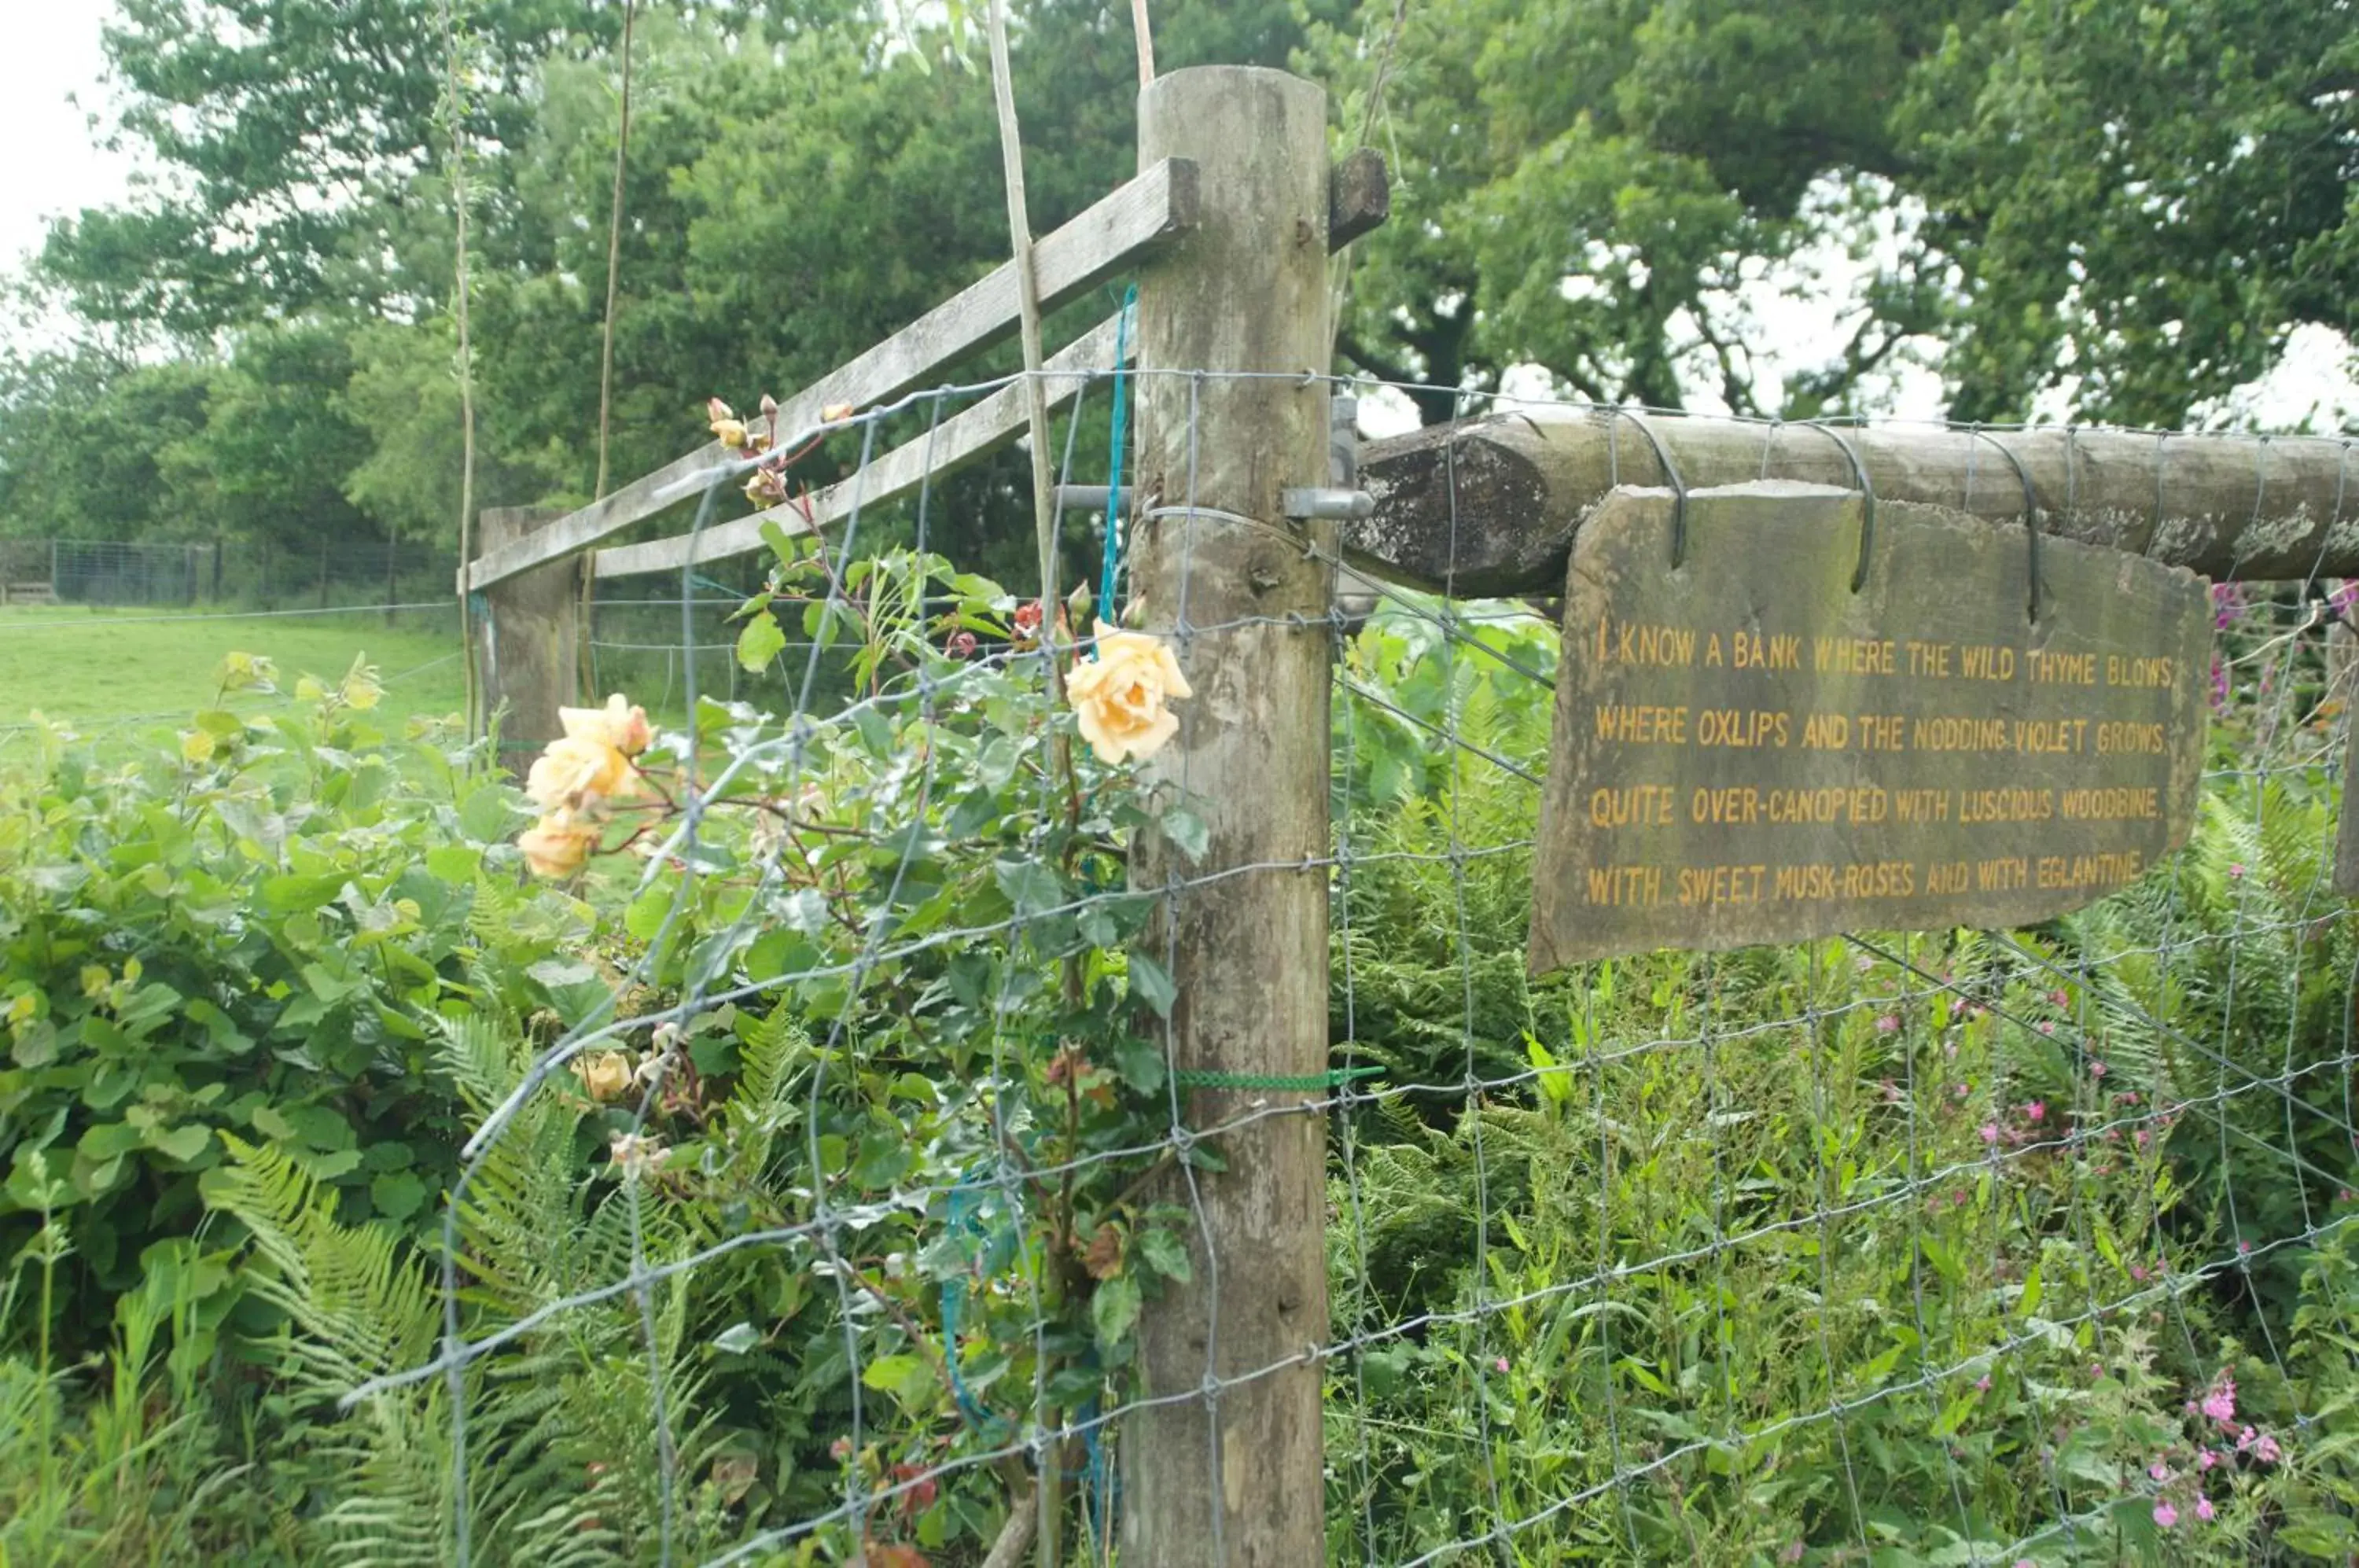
(524, 641)
(1221, 1472)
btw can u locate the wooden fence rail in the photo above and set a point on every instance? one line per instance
(1142, 215)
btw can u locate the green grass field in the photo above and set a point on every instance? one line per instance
(118, 667)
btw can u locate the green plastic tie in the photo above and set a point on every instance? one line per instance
(1307, 1082)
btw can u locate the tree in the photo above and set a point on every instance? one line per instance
(286, 130)
(2148, 195)
(83, 445)
(270, 459)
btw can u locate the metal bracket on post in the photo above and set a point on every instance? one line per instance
(1308, 503)
(1088, 497)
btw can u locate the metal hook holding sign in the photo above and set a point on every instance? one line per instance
(2154, 530)
(1867, 492)
(1678, 487)
(2030, 513)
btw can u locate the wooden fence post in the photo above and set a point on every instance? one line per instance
(525, 638)
(1220, 1472)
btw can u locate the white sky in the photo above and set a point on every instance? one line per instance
(51, 52)
(53, 56)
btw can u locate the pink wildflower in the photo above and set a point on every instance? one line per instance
(2220, 1404)
(1958, 1091)
(2096, 1070)
(2205, 1459)
(1500, 1364)
(2034, 1111)
(2245, 1439)
(2137, 1273)
(1887, 1023)
(2061, 998)
(2158, 1470)
(2203, 1509)
(2266, 1449)
(2235, 869)
(1990, 1132)
(2047, 1025)
(2165, 1515)
(1982, 1384)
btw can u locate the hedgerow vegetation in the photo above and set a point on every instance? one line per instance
(1914, 1249)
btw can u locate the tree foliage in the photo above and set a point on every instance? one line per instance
(2147, 196)
(2132, 204)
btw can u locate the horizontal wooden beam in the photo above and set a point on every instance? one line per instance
(959, 439)
(1141, 216)
(1490, 510)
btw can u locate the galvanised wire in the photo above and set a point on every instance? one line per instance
(1721, 1026)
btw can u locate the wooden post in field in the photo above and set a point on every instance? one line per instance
(525, 640)
(1230, 1472)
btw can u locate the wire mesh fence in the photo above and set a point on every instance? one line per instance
(328, 572)
(817, 1217)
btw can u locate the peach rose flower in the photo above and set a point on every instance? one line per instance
(1119, 697)
(571, 771)
(606, 1076)
(558, 844)
(620, 724)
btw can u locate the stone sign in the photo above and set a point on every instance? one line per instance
(1748, 750)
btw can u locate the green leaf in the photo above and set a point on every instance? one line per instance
(907, 1378)
(454, 862)
(397, 1195)
(1112, 1308)
(1186, 831)
(36, 1044)
(486, 816)
(326, 1167)
(1167, 1254)
(645, 916)
(182, 1143)
(1140, 1062)
(1150, 984)
(761, 640)
(740, 1337)
(291, 893)
(1030, 886)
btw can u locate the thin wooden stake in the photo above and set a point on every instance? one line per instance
(475, 715)
(1028, 299)
(615, 251)
(1146, 42)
